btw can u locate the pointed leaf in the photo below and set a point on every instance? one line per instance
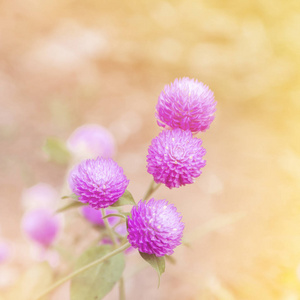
(125, 199)
(158, 263)
(127, 214)
(72, 196)
(114, 215)
(56, 150)
(71, 205)
(171, 259)
(99, 280)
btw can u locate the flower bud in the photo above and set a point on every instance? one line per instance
(41, 226)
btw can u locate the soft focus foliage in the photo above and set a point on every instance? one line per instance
(98, 281)
(34, 280)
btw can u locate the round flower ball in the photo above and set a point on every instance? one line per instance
(155, 227)
(91, 140)
(41, 226)
(99, 182)
(175, 158)
(94, 216)
(41, 195)
(4, 251)
(187, 104)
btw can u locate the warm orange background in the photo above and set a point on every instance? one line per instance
(65, 63)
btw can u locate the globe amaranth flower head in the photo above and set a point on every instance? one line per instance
(155, 227)
(91, 140)
(41, 226)
(187, 104)
(175, 158)
(99, 182)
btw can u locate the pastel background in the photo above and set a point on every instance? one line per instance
(67, 63)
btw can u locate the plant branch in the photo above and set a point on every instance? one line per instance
(115, 242)
(121, 289)
(109, 229)
(84, 268)
(152, 188)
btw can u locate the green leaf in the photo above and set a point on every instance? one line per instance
(72, 196)
(99, 280)
(70, 206)
(158, 263)
(31, 283)
(185, 243)
(125, 199)
(114, 215)
(56, 150)
(171, 259)
(127, 214)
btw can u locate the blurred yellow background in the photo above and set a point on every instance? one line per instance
(66, 63)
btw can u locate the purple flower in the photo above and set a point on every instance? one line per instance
(95, 216)
(99, 182)
(121, 229)
(41, 195)
(4, 251)
(106, 241)
(175, 158)
(155, 227)
(91, 141)
(41, 226)
(186, 104)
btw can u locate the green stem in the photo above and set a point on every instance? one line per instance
(73, 204)
(121, 289)
(109, 229)
(116, 225)
(86, 267)
(115, 242)
(152, 188)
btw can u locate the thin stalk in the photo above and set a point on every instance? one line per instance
(151, 189)
(115, 242)
(121, 289)
(116, 225)
(109, 229)
(86, 267)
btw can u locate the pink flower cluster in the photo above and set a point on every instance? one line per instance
(39, 223)
(175, 156)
